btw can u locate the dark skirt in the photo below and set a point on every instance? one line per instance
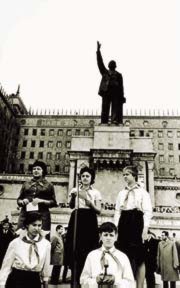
(130, 228)
(87, 236)
(23, 279)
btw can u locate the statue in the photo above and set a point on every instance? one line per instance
(111, 90)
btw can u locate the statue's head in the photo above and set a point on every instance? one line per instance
(112, 65)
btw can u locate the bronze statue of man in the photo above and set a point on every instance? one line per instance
(111, 90)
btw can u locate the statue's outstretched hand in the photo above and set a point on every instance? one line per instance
(98, 45)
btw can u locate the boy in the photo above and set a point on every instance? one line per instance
(119, 268)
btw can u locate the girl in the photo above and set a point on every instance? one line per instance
(133, 212)
(88, 205)
(27, 258)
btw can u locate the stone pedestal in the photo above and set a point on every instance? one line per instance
(109, 150)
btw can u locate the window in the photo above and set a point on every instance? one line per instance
(59, 144)
(57, 168)
(77, 132)
(48, 169)
(58, 155)
(161, 146)
(171, 159)
(40, 155)
(34, 132)
(60, 132)
(50, 144)
(23, 155)
(68, 144)
(68, 132)
(66, 169)
(21, 168)
(31, 155)
(86, 132)
(30, 167)
(160, 133)
(170, 146)
(178, 146)
(33, 143)
(43, 132)
(132, 133)
(161, 158)
(162, 171)
(169, 134)
(66, 156)
(41, 144)
(178, 134)
(150, 133)
(24, 143)
(141, 133)
(26, 131)
(51, 132)
(171, 171)
(49, 155)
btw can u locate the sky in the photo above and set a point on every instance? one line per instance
(49, 48)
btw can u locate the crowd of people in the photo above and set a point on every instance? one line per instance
(123, 253)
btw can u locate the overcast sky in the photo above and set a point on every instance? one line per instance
(49, 48)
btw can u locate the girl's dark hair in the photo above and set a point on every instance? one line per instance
(90, 171)
(133, 170)
(108, 227)
(42, 165)
(31, 217)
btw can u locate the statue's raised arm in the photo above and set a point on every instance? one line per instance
(100, 62)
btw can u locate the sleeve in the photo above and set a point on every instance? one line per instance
(54, 241)
(86, 275)
(175, 256)
(7, 263)
(117, 213)
(21, 195)
(127, 277)
(53, 202)
(45, 270)
(147, 208)
(158, 257)
(98, 195)
(100, 63)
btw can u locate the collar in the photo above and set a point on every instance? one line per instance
(113, 249)
(90, 187)
(135, 186)
(40, 181)
(34, 239)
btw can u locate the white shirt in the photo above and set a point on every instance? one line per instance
(17, 256)
(91, 194)
(92, 268)
(135, 197)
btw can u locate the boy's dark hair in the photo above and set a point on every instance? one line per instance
(90, 171)
(58, 227)
(166, 233)
(31, 217)
(108, 227)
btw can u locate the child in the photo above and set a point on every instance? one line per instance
(133, 212)
(119, 268)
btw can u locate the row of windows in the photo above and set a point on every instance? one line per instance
(50, 144)
(49, 169)
(162, 172)
(41, 155)
(170, 146)
(150, 133)
(52, 132)
(170, 158)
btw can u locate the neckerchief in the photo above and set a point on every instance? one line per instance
(32, 246)
(102, 260)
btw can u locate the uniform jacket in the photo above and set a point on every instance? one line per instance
(115, 78)
(167, 260)
(57, 250)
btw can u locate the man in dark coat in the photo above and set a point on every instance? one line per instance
(151, 247)
(6, 236)
(111, 90)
